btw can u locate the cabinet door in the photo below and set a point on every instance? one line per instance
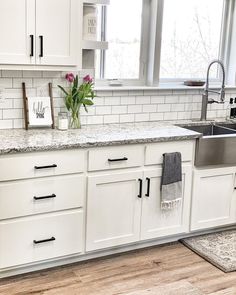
(113, 210)
(157, 222)
(17, 27)
(56, 32)
(213, 201)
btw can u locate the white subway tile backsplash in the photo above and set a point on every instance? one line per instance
(112, 100)
(119, 109)
(149, 108)
(95, 120)
(156, 116)
(164, 108)
(6, 124)
(171, 116)
(111, 119)
(157, 99)
(133, 109)
(12, 114)
(17, 82)
(141, 117)
(5, 83)
(128, 100)
(103, 110)
(6, 104)
(127, 118)
(32, 74)
(143, 99)
(11, 74)
(172, 99)
(109, 106)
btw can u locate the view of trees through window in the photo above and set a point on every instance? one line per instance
(190, 37)
(124, 22)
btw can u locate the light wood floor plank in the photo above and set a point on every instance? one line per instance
(126, 273)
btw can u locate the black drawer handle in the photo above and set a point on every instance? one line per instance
(44, 241)
(140, 188)
(148, 187)
(118, 160)
(45, 197)
(32, 45)
(45, 167)
(41, 46)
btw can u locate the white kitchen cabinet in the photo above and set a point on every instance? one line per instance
(41, 195)
(39, 32)
(214, 194)
(113, 210)
(40, 237)
(156, 222)
(17, 27)
(56, 32)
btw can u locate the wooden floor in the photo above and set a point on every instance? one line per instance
(126, 273)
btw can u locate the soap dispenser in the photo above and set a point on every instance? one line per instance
(231, 109)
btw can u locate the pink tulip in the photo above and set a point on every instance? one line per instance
(70, 77)
(88, 79)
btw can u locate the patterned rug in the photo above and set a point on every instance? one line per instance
(217, 248)
(177, 288)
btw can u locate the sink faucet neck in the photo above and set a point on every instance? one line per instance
(205, 95)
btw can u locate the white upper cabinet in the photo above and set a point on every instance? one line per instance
(56, 32)
(39, 32)
(17, 29)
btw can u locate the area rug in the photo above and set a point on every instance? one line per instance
(177, 288)
(217, 248)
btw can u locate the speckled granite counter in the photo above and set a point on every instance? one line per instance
(14, 141)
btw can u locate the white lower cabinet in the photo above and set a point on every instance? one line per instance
(113, 210)
(156, 222)
(118, 204)
(41, 195)
(39, 238)
(214, 198)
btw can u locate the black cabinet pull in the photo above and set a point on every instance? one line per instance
(140, 188)
(41, 46)
(45, 167)
(31, 45)
(148, 187)
(44, 241)
(118, 160)
(44, 197)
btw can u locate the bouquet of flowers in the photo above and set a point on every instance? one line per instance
(77, 96)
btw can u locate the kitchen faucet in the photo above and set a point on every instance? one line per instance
(205, 95)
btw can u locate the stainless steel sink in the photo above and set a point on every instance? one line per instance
(217, 146)
(210, 130)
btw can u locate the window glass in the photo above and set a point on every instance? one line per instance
(191, 37)
(124, 19)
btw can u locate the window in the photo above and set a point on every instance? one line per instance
(162, 40)
(123, 32)
(191, 37)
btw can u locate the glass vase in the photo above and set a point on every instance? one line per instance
(75, 120)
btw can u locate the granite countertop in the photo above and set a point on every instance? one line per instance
(19, 140)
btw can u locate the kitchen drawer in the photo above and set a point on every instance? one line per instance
(40, 164)
(125, 156)
(17, 238)
(34, 196)
(154, 152)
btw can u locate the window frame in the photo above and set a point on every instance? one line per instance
(150, 46)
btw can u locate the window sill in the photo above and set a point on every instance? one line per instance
(163, 87)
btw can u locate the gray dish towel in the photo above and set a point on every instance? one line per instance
(171, 182)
